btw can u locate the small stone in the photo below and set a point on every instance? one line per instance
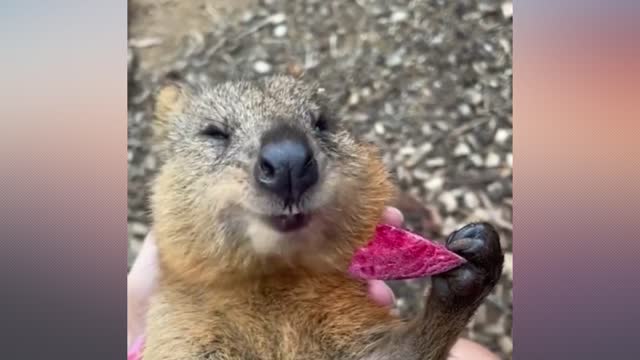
(247, 16)
(280, 31)
(480, 316)
(277, 18)
(144, 42)
(379, 128)
(435, 162)
(354, 98)
(486, 7)
(442, 125)
(437, 40)
(426, 129)
(480, 67)
(506, 344)
(472, 16)
(415, 192)
(502, 135)
(492, 160)
(474, 96)
(472, 141)
(464, 109)
(399, 16)
(138, 229)
(395, 58)
(495, 328)
(480, 214)
(421, 175)
(476, 160)
(130, 58)
(510, 160)
(262, 67)
(471, 200)
(406, 151)
(150, 162)
(404, 176)
(360, 117)
(435, 184)
(506, 45)
(462, 149)
(420, 153)
(449, 225)
(388, 108)
(508, 265)
(449, 201)
(495, 190)
(507, 9)
(457, 192)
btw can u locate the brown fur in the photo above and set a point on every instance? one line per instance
(230, 288)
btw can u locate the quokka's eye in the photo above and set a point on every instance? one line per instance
(215, 132)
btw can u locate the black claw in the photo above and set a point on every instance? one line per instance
(466, 245)
(474, 231)
(479, 243)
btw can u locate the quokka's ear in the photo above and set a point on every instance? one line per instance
(170, 100)
(296, 71)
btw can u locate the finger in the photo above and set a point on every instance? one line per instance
(381, 293)
(135, 350)
(465, 245)
(466, 349)
(141, 283)
(145, 263)
(392, 216)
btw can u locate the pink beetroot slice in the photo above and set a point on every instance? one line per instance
(396, 254)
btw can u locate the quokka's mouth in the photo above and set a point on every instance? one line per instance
(288, 222)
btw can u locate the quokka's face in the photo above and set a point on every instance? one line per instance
(267, 163)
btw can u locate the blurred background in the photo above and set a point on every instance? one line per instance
(430, 82)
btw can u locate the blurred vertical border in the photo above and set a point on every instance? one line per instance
(63, 177)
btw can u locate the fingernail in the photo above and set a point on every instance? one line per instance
(393, 216)
(381, 293)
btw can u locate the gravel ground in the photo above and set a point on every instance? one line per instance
(428, 81)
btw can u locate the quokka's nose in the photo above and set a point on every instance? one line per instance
(286, 166)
